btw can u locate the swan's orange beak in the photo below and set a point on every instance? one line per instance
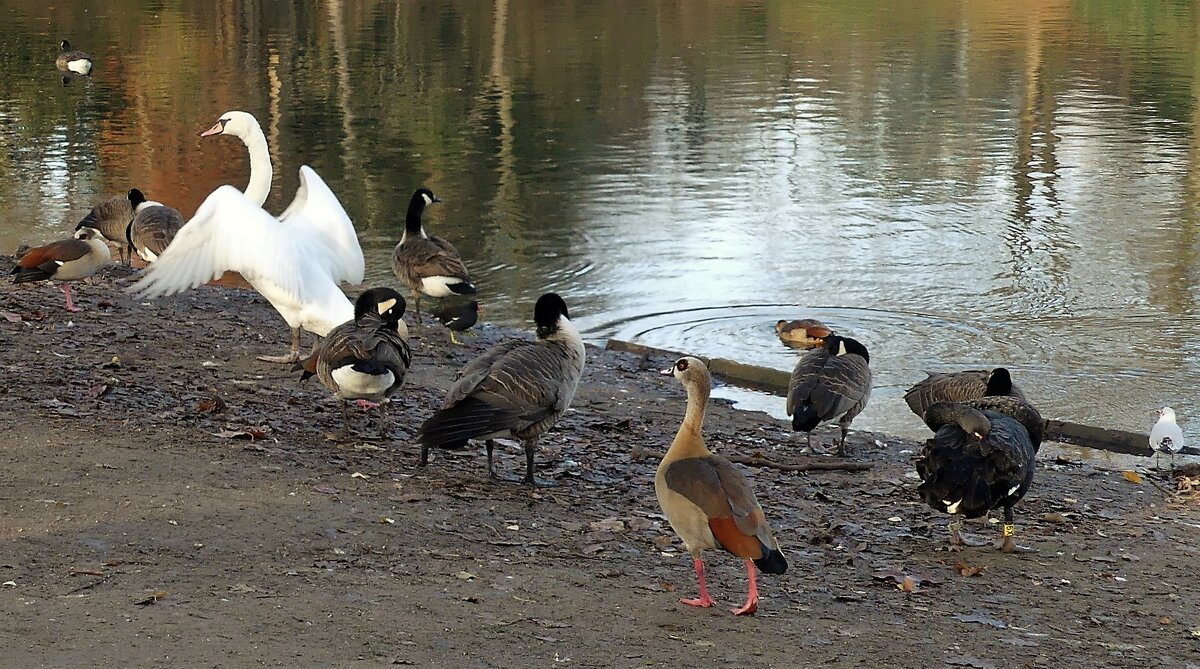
(215, 130)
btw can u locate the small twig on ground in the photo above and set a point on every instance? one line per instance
(810, 465)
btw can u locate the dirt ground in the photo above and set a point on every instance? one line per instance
(139, 528)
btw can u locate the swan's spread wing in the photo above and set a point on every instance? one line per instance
(316, 212)
(230, 233)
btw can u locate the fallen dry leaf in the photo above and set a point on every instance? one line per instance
(158, 595)
(667, 586)
(10, 316)
(909, 584)
(212, 405)
(1132, 476)
(965, 569)
(608, 525)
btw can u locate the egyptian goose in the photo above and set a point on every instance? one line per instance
(153, 227)
(1166, 436)
(70, 60)
(827, 383)
(518, 389)
(459, 318)
(979, 459)
(64, 260)
(111, 218)
(806, 333)
(708, 501)
(428, 264)
(960, 386)
(365, 359)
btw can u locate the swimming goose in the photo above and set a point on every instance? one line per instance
(709, 502)
(1166, 436)
(806, 333)
(459, 318)
(426, 263)
(828, 382)
(153, 227)
(959, 386)
(70, 60)
(287, 262)
(111, 218)
(365, 359)
(977, 460)
(64, 260)
(518, 388)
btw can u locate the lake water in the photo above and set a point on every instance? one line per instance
(956, 184)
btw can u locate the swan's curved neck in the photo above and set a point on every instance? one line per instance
(260, 166)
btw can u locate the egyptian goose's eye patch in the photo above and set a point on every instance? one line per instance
(682, 365)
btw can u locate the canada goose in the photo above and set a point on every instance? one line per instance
(70, 60)
(806, 333)
(365, 359)
(960, 386)
(518, 388)
(1166, 436)
(977, 460)
(459, 318)
(290, 264)
(828, 382)
(153, 227)
(111, 218)
(426, 263)
(64, 260)
(708, 501)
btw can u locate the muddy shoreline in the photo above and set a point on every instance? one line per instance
(170, 500)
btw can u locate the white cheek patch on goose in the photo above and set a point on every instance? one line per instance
(951, 508)
(1013, 490)
(385, 306)
(428, 200)
(841, 348)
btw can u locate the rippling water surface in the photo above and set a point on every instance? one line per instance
(955, 184)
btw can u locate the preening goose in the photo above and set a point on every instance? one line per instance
(426, 263)
(64, 260)
(519, 388)
(153, 227)
(289, 263)
(365, 359)
(71, 60)
(111, 218)
(827, 383)
(960, 386)
(708, 501)
(1166, 436)
(806, 333)
(459, 318)
(977, 460)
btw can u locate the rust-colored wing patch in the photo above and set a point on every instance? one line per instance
(732, 539)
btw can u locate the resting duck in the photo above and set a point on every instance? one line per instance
(153, 226)
(959, 387)
(428, 264)
(64, 260)
(518, 389)
(72, 60)
(807, 333)
(828, 383)
(365, 359)
(979, 459)
(709, 502)
(460, 318)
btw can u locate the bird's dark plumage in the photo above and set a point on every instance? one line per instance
(831, 382)
(960, 386)
(518, 388)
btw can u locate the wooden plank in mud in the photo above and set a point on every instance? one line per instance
(775, 381)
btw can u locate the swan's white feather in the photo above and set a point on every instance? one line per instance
(315, 212)
(289, 267)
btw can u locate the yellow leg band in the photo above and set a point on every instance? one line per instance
(1010, 529)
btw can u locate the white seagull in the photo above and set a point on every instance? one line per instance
(1166, 437)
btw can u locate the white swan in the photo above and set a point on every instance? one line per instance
(295, 261)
